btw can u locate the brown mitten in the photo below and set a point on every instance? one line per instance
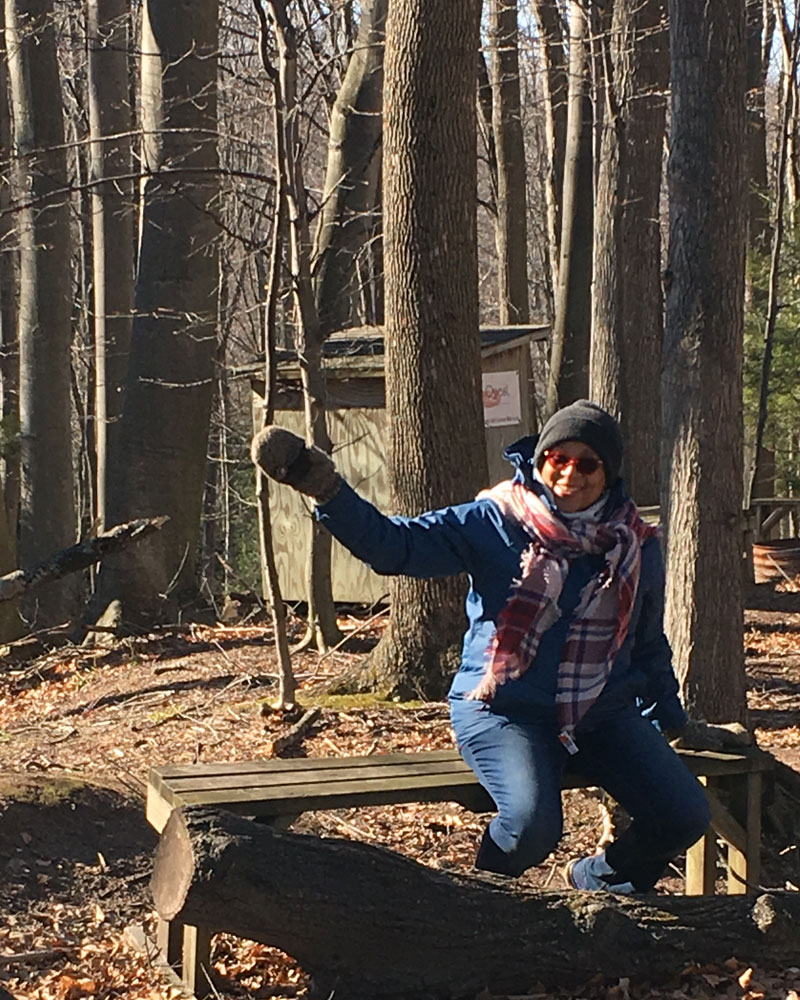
(700, 735)
(283, 456)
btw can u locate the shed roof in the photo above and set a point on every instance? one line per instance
(359, 351)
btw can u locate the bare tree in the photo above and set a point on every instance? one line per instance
(760, 28)
(437, 451)
(701, 484)
(9, 262)
(554, 84)
(322, 626)
(169, 386)
(47, 512)
(350, 196)
(569, 355)
(626, 291)
(113, 210)
(270, 581)
(511, 227)
(772, 306)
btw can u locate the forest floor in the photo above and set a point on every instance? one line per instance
(81, 726)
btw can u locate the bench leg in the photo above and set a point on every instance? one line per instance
(169, 941)
(196, 960)
(744, 867)
(701, 864)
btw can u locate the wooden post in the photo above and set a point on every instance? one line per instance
(701, 862)
(747, 865)
(196, 964)
(169, 940)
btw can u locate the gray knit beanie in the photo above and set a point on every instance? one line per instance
(589, 423)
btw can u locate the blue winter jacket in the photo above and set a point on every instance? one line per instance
(476, 539)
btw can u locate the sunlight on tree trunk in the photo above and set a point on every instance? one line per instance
(569, 350)
(701, 483)
(437, 445)
(350, 195)
(169, 388)
(322, 626)
(511, 227)
(626, 291)
(47, 511)
(112, 207)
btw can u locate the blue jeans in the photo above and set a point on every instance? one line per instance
(520, 761)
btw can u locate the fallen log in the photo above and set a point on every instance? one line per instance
(77, 557)
(368, 922)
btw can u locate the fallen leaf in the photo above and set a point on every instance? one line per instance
(744, 979)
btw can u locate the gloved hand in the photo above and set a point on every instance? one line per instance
(700, 735)
(284, 457)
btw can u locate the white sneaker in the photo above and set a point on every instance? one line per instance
(595, 874)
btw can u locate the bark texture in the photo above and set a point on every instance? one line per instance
(367, 922)
(47, 511)
(627, 316)
(168, 393)
(437, 452)
(569, 354)
(350, 196)
(511, 226)
(701, 390)
(113, 209)
(322, 626)
(758, 49)
(9, 263)
(554, 84)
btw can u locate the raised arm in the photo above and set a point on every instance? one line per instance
(434, 544)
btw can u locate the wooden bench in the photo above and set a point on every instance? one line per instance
(278, 791)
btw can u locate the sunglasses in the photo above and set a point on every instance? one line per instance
(586, 466)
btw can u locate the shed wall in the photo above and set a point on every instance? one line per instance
(360, 434)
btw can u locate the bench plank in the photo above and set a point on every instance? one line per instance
(271, 788)
(278, 780)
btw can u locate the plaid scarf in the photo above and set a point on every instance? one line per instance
(601, 618)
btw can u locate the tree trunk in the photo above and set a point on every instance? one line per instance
(351, 181)
(627, 319)
(758, 49)
(322, 625)
(10, 623)
(9, 265)
(569, 354)
(436, 449)
(511, 226)
(111, 164)
(47, 511)
(702, 473)
(554, 81)
(270, 580)
(367, 922)
(168, 393)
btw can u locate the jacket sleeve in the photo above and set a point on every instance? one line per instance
(651, 651)
(431, 545)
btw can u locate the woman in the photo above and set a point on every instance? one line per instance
(564, 653)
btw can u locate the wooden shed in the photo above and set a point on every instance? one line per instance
(358, 427)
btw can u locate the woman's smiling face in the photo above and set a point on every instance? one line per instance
(573, 488)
